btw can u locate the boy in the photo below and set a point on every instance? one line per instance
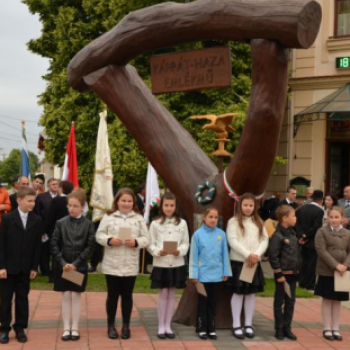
(283, 257)
(20, 243)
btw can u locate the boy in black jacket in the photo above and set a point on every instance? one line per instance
(283, 257)
(20, 243)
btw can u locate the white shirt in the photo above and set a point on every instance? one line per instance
(24, 217)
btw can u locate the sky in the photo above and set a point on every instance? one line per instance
(21, 74)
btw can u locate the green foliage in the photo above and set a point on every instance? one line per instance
(10, 167)
(70, 25)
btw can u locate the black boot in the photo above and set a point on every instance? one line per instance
(112, 332)
(279, 334)
(288, 334)
(126, 331)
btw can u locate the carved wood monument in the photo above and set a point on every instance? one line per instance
(270, 26)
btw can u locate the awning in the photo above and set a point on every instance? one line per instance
(335, 106)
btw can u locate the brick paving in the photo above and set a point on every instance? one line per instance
(45, 327)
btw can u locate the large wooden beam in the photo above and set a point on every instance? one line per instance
(293, 23)
(169, 147)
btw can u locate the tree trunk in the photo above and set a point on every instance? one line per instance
(293, 23)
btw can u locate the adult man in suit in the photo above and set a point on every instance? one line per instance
(291, 197)
(38, 183)
(309, 220)
(140, 198)
(42, 205)
(20, 244)
(344, 203)
(15, 186)
(23, 181)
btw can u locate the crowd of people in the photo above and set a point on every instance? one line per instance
(310, 238)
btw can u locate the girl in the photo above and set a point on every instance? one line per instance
(248, 240)
(120, 261)
(72, 242)
(329, 201)
(210, 265)
(332, 243)
(169, 270)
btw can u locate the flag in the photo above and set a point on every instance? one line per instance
(102, 188)
(24, 154)
(70, 168)
(152, 191)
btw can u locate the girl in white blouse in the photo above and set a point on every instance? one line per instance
(248, 241)
(169, 269)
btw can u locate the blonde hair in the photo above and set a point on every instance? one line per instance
(282, 211)
(338, 209)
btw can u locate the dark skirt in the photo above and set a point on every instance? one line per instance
(325, 289)
(62, 285)
(167, 277)
(239, 287)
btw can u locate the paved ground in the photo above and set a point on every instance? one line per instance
(45, 328)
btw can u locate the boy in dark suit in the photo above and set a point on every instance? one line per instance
(20, 243)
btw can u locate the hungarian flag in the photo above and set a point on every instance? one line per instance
(70, 168)
(152, 191)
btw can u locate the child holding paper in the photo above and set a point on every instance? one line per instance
(283, 257)
(209, 265)
(332, 243)
(169, 269)
(248, 240)
(120, 261)
(73, 241)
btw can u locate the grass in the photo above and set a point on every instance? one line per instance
(97, 283)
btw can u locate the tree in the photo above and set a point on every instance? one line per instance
(67, 27)
(10, 167)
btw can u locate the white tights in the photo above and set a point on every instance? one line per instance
(166, 302)
(236, 309)
(71, 305)
(331, 310)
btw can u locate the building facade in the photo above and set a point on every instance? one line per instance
(318, 148)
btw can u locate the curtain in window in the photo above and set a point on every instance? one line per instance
(343, 18)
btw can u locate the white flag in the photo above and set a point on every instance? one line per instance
(152, 191)
(102, 189)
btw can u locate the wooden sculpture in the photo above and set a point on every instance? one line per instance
(221, 124)
(269, 26)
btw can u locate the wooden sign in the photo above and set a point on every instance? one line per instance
(192, 70)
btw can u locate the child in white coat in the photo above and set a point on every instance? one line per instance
(120, 261)
(248, 241)
(169, 269)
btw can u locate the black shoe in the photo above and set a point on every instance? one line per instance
(112, 332)
(203, 335)
(329, 336)
(74, 336)
(337, 335)
(288, 334)
(238, 336)
(279, 334)
(126, 332)
(91, 269)
(212, 335)
(21, 336)
(4, 337)
(161, 336)
(66, 335)
(170, 335)
(249, 335)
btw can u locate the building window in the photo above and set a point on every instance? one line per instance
(342, 18)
